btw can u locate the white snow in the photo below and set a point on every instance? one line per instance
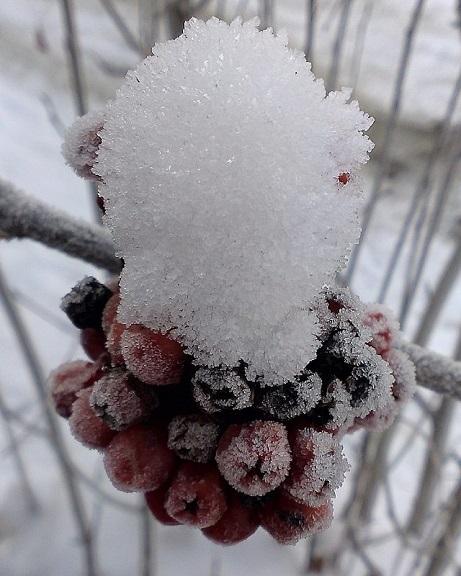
(220, 158)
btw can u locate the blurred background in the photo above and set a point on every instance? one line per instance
(399, 512)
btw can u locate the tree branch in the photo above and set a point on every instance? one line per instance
(434, 371)
(22, 216)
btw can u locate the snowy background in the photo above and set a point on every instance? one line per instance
(35, 103)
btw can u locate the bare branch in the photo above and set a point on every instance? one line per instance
(22, 216)
(122, 27)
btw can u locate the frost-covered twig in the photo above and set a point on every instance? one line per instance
(22, 216)
(390, 127)
(434, 371)
(56, 439)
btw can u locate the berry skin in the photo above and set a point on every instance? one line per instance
(121, 401)
(196, 495)
(85, 303)
(113, 329)
(93, 341)
(86, 426)
(68, 379)
(238, 523)
(138, 459)
(193, 437)
(288, 520)
(254, 458)
(156, 503)
(151, 356)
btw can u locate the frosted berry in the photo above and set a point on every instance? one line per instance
(238, 523)
(151, 356)
(218, 389)
(68, 379)
(193, 437)
(82, 142)
(85, 303)
(293, 398)
(288, 520)
(196, 495)
(113, 330)
(138, 459)
(93, 341)
(403, 371)
(383, 327)
(156, 503)
(86, 426)
(254, 458)
(121, 401)
(318, 466)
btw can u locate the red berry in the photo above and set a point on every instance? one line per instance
(196, 496)
(193, 437)
(93, 342)
(152, 357)
(156, 503)
(86, 426)
(138, 459)
(254, 458)
(238, 523)
(383, 328)
(68, 379)
(318, 466)
(113, 330)
(288, 520)
(344, 178)
(121, 400)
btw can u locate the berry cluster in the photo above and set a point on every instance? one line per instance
(208, 446)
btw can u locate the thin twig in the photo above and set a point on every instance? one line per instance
(22, 216)
(120, 24)
(146, 567)
(338, 45)
(311, 9)
(56, 440)
(385, 159)
(359, 44)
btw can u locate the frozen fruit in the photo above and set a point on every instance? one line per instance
(196, 495)
(288, 520)
(193, 437)
(93, 341)
(152, 357)
(217, 389)
(293, 398)
(68, 379)
(85, 303)
(238, 523)
(383, 327)
(113, 330)
(82, 142)
(318, 466)
(86, 426)
(121, 400)
(138, 459)
(156, 503)
(254, 458)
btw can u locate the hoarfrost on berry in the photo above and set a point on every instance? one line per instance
(234, 151)
(193, 437)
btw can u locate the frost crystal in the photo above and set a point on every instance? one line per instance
(231, 189)
(193, 437)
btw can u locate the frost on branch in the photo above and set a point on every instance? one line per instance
(232, 366)
(233, 151)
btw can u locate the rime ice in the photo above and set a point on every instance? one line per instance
(220, 160)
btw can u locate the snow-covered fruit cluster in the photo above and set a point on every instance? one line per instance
(209, 446)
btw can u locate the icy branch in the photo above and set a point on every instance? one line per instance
(434, 371)
(22, 216)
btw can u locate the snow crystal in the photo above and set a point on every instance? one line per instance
(220, 159)
(318, 467)
(193, 437)
(81, 144)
